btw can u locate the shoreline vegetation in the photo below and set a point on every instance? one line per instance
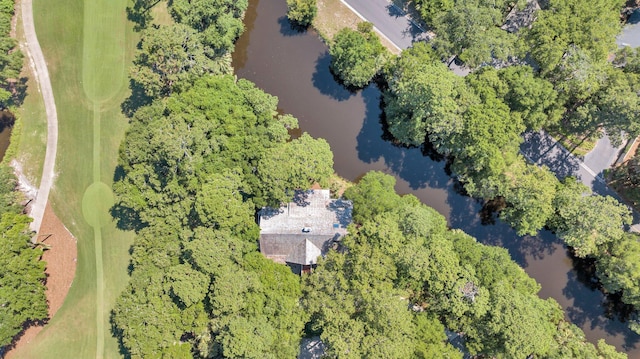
(401, 275)
(197, 137)
(22, 272)
(334, 16)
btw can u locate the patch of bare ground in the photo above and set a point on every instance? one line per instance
(60, 257)
(333, 15)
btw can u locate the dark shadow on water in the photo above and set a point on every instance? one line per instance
(490, 210)
(288, 28)
(325, 81)
(594, 309)
(409, 163)
(7, 120)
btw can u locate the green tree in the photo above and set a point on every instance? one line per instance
(373, 195)
(210, 139)
(301, 12)
(342, 296)
(256, 311)
(220, 203)
(629, 59)
(294, 165)
(431, 339)
(615, 106)
(591, 27)
(471, 31)
(530, 196)
(532, 97)
(430, 10)
(22, 291)
(424, 98)
(578, 76)
(169, 57)
(619, 270)
(11, 59)
(588, 223)
(487, 147)
(217, 22)
(521, 324)
(357, 56)
(570, 343)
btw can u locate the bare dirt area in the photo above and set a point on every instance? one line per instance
(61, 268)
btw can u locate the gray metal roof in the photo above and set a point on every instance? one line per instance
(300, 231)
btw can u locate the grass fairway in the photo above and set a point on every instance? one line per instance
(88, 45)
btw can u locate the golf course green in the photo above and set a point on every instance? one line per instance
(88, 45)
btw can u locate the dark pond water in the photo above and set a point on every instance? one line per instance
(294, 67)
(6, 124)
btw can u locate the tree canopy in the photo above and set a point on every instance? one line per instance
(301, 12)
(357, 56)
(400, 268)
(424, 99)
(22, 277)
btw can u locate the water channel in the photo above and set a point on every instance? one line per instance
(294, 67)
(6, 124)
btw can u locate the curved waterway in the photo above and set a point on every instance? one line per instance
(294, 67)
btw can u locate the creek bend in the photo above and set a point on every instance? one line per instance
(295, 67)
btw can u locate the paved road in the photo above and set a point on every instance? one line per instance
(542, 149)
(389, 20)
(630, 35)
(39, 66)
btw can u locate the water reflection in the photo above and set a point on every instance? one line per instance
(295, 67)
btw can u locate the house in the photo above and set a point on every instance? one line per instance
(299, 232)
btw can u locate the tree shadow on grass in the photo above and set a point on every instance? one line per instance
(136, 100)
(119, 335)
(127, 219)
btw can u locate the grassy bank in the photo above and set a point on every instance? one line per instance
(333, 15)
(88, 46)
(29, 135)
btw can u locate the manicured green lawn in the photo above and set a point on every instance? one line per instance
(29, 137)
(88, 46)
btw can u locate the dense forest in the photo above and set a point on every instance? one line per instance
(205, 150)
(560, 72)
(565, 75)
(22, 277)
(22, 274)
(12, 86)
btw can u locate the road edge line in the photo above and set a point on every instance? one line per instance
(374, 27)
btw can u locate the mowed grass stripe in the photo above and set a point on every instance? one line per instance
(104, 48)
(88, 46)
